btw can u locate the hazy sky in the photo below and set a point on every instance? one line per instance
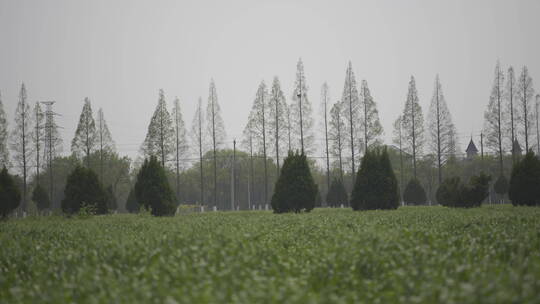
(120, 53)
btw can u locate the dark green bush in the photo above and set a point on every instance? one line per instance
(449, 192)
(376, 186)
(337, 194)
(152, 190)
(476, 192)
(414, 193)
(41, 198)
(131, 203)
(295, 190)
(453, 193)
(10, 196)
(525, 181)
(83, 188)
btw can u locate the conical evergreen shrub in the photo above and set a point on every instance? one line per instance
(525, 181)
(41, 198)
(414, 193)
(83, 187)
(376, 186)
(152, 190)
(390, 196)
(295, 190)
(337, 194)
(10, 196)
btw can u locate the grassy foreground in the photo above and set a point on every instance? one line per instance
(414, 254)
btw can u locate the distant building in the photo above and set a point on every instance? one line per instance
(516, 148)
(471, 150)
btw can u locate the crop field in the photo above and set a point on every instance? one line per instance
(413, 255)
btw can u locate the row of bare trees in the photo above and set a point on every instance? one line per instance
(350, 126)
(512, 114)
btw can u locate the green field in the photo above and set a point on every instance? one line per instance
(414, 254)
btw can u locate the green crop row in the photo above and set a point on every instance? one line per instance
(410, 255)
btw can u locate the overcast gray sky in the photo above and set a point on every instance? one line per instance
(120, 53)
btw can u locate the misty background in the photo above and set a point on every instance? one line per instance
(120, 53)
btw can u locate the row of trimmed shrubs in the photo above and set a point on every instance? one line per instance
(376, 186)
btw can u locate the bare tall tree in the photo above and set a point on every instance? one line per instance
(104, 140)
(21, 139)
(413, 124)
(441, 129)
(370, 117)
(159, 139)
(510, 95)
(301, 112)
(325, 99)
(494, 117)
(277, 121)
(37, 136)
(216, 128)
(258, 122)
(180, 142)
(197, 136)
(526, 102)
(84, 141)
(336, 133)
(4, 134)
(352, 116)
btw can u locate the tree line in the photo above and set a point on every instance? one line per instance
(350, 126)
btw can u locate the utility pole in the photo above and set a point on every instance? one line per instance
(326, 141)
(214, 144)
(301, 120)
(400, 166)
(263, 101)
(251, 185)
(50, 142)
(39, 115)
(201, 154)
(249, 191)
(482, 149)
(233, 176)
(537, 128)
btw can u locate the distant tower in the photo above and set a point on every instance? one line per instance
(472, 151)
(516, 148)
